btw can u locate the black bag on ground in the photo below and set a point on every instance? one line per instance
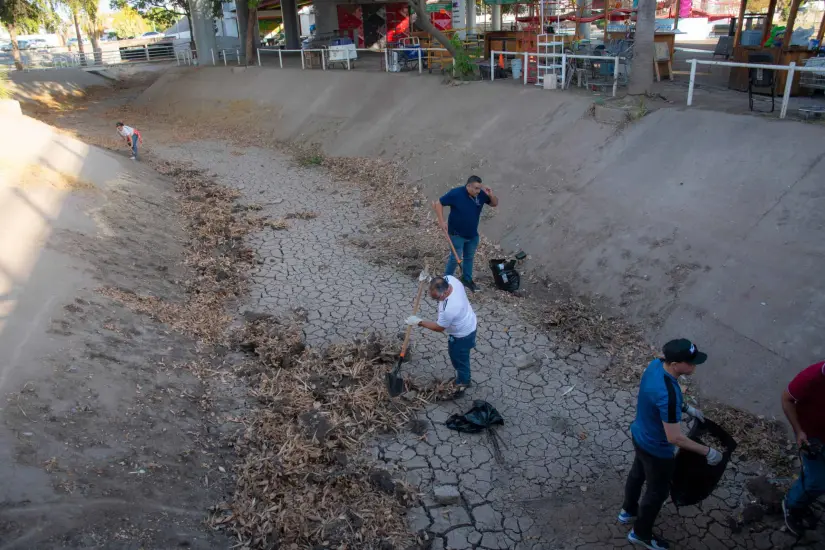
(694, 479)
(479, 418)
(505, 275)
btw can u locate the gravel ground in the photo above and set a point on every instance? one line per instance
(565, 449)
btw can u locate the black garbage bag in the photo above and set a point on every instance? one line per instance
(694, 479)
(481, 417)
(505, 275)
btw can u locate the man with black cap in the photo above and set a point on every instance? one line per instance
(657, 434)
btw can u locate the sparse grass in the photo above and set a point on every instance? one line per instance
(302, 215)
(5, 89)
(639, 111)
(278, 225)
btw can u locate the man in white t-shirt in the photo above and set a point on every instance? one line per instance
(457, 318)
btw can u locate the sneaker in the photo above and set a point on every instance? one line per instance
(459, 390)
(655, 543)
(625, 518)
(469, 284)
(793, 520)
(132, 158)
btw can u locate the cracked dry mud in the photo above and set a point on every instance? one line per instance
(565, 447)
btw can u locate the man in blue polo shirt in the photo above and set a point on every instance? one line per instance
(656, 434)
(465, 204)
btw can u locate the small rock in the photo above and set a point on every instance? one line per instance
(382, 480)
(410, 395)
(446, 494)
(752, 513)
(526, 361)
(252, 316)
(28, 434)
(418, 426)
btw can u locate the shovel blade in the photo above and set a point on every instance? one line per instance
(395, 384)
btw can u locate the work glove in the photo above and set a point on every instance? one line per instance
(413, 321)
(695, 413)
(424, 277)
(713, 457)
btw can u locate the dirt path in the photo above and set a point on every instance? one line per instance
(565, 450)
(104, 442)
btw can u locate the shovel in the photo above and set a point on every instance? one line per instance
(452, 248)
(395, 383)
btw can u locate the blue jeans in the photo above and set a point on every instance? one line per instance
(809, 487)
(134, 146)
(459, 350)
(467, 249)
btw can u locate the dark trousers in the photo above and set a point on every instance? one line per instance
(657, 473)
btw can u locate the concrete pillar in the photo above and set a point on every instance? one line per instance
(326, 17)
(203, 30)
(292, 31)
(496, 17)
(471, 16)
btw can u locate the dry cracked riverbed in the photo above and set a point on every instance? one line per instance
(555, 478)
(564, 450)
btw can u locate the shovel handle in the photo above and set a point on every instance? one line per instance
(416, 303)
(450, 241)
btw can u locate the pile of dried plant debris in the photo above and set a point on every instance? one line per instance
(757, 438)
(577, 323)
(302, 482)
(216, 255)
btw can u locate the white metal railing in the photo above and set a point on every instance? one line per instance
(563, 66)
(222, 53)
(185, 57)
(149, 53)
(791, 68)
(324, 52)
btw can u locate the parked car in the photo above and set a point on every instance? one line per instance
(37, 44)
(151, 34)
(5, 47)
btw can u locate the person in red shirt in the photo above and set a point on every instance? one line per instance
(804, 404)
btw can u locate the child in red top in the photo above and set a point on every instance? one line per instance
(804, 405)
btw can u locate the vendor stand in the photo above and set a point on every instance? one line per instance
(777, 48)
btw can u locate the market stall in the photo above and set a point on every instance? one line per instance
(772, 45)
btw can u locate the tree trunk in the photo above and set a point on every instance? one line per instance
(192, 45)
(98, 52)
(423, 21)
(15, 50)
(641, 68)
(251, 21)
(79, 38)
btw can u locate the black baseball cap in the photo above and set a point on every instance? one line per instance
(683, 351)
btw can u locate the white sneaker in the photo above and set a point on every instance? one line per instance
(131, 158)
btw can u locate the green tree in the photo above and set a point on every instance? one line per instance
(17, 16)
(128, 23)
